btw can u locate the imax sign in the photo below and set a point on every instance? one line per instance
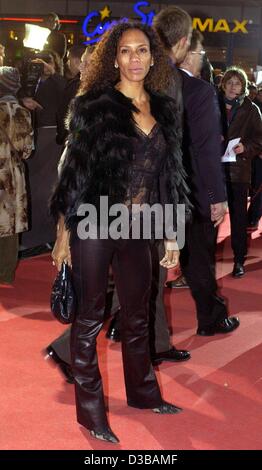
(93, 35)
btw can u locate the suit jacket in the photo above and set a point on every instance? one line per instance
(56, 41)
(49, 94)
(70, 92)
(175, 91)
(202, 144)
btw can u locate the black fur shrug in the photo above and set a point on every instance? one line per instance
(100, 152)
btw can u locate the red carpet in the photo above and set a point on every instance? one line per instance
(219, 388)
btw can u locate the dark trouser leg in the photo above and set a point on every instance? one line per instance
(198, 265)
(255, 208)
(237, 203)
(158, 326)
(132, 271)
(91, 260)
(8, 258)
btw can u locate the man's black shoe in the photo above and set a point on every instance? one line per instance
(113, 331)
(172, 355)
(238, 270)
(227, 325)
(63, 366)
(253, 225)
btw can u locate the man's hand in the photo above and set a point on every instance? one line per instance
(218, 212)
(31, 104)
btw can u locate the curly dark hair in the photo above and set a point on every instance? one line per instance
(102, 73)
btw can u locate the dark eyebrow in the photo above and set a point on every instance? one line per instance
(129, 45)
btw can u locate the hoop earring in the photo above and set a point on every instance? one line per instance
(151, 65)
(116, 66)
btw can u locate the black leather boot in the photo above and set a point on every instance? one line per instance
(167, 409)
(105, 435)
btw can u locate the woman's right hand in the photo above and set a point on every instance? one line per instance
(61, 252)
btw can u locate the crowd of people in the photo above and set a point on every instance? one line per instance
(139, 120)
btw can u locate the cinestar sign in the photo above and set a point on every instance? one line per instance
(95, 35)
(208, 24)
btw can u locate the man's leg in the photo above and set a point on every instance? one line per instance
(198, 265)
(160, 345)
(255, 208)
(158, 326)
(61, 346)
(237, 201)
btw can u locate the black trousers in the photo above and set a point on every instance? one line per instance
(198, 265)
(41, 177)
(237, 204)
(159, 334)
(61, 344)
(131, 263)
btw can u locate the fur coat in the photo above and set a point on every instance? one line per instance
(16, 121)
(100, 152)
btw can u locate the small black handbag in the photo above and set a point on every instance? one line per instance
(63, 300)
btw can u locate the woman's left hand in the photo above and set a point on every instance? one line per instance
(171, 259)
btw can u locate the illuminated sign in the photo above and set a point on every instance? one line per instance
(219, 26)
(95, 35)
(209, 24)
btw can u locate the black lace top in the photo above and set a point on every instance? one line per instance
(149, 158)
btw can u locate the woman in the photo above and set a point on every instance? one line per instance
(241, 119)
(122, 144)
(16, 141)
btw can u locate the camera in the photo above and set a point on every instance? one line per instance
(30, 76)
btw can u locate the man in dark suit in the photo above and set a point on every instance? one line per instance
(78, 56)
(202, 160)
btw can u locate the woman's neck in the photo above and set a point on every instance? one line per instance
(135, 91)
